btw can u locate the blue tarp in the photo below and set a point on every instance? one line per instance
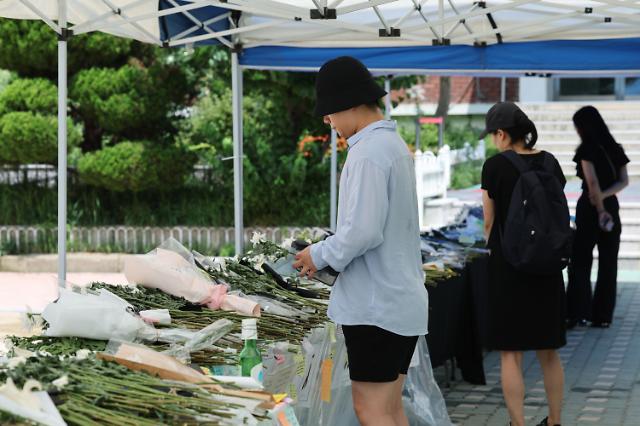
(620, 56)
(172, 25)
(561, 57)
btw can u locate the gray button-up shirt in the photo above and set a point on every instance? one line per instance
(376, 247)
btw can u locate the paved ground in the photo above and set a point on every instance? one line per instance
(631, 194)
(31, 292)
(602, 369)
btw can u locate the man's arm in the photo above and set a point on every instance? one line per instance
(365, 218)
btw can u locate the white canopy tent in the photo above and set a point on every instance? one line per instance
(499, 37)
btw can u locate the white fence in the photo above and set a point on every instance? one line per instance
(433, 172)
(47, 174)
(29, 239)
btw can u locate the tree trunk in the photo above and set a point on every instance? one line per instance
(445, 97)
(92, 137)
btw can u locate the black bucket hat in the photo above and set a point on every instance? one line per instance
(344, 83)
(503, 115)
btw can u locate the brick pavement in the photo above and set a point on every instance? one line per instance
(602, 377)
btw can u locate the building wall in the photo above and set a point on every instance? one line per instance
(536, 89)
(468, 90)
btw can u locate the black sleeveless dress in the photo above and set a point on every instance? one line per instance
(526, 311)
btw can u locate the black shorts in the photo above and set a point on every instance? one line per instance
(377, 355)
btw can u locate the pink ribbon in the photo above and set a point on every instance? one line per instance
(216, 297)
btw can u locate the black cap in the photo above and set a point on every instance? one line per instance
(344, 83)
(503, 115)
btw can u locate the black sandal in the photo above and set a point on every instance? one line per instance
(545, 422)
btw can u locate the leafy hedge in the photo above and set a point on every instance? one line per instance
(35, 95)
(137, 166)
(26, 137)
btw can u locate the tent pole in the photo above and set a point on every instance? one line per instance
(387, 98)
(236, 83)
(62, 144)
(334, 179)
(503, 89)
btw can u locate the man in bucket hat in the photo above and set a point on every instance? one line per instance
(379, 298)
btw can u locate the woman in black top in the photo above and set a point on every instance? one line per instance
(601, 164)
(526, 311)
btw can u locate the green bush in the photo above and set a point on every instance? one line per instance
(276, 173)
(491, 149)
(137, 166)
(454, 136)
(457, 136)
(30, 49)
(466, 175)
(32, 138)
(36, 95)
(116, 99)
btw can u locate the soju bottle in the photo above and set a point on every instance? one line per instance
(250, 357)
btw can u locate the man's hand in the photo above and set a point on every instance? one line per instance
(305, 263)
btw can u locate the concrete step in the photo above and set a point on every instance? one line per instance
(603, 106)
(621, 136)
(628, 261)
(567, 155)
(567, 125)
(628, 211)
(572, 144)
(569, 168)
(551, 115)
(76, 262)
(630, 243)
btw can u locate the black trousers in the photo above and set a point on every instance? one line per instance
(581, 303)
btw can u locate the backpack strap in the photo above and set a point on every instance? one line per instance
(515, 159)
(548, 164)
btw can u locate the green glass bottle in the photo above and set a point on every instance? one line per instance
(250, 357)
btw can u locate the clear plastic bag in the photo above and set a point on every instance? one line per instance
(171, 268)
(275, 307)
(322, 345)
(156, 316)
(139, 357)
(279, 367)
(97, 315)
(29, 403)
(202, 339)
(422, 399)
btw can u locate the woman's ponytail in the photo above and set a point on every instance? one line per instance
(532, 136)
(524, 130)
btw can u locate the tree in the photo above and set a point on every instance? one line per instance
(444, 99)
(119, 90)
(29, 124)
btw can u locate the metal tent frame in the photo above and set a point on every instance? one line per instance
(408, 27)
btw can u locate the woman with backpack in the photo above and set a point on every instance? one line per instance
(523, 199)
(601, 164)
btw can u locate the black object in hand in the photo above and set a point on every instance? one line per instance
(300, 245)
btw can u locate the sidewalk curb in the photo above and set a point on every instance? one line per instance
(76, 262)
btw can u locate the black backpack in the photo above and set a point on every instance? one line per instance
(537, 236)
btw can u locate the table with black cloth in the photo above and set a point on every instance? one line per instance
(458, 320)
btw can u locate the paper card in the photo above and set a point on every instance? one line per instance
(325, 381)
(287, 417)
(299, 360)
(293, 391)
